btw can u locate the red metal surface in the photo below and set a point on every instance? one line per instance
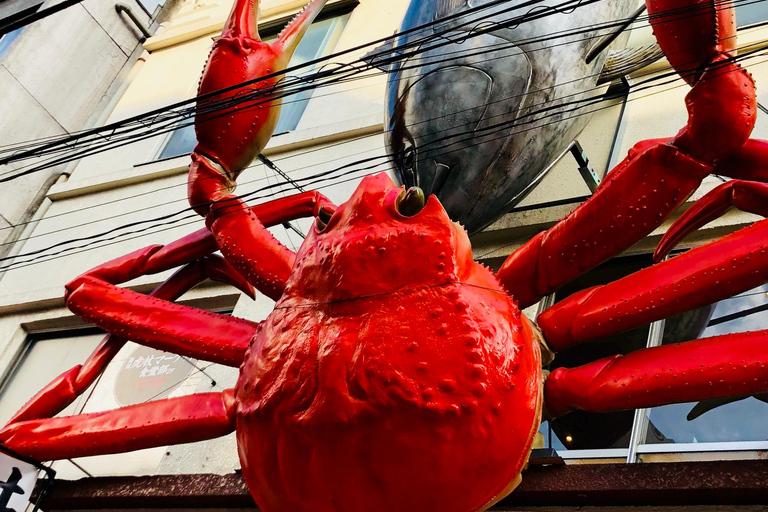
(722, 366)
(704, 275)
(188, 418)
(748, 196)
(160, 324)
(229, 139)
(414, 390)
(395, 373)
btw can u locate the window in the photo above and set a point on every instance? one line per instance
(7, 39)
(725, 425)
(42, 361)
(740, 420)
(591, 431)
(12, 12)
(749, 13)
(320, 40)
(137, 374)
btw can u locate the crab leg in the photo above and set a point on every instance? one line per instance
(159, 258)
(245, 242)
(184, 419)
(704, 275)
(657, 176)
(194, 249)
(723, 366)
(63, 390)
(747, 196)
(160, 324)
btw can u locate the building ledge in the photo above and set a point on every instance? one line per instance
(210, 18)
(315, 136)
(660, 484)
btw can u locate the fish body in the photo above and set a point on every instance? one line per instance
(477, 114)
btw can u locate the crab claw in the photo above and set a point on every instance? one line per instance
(747, 196)
(232, 127)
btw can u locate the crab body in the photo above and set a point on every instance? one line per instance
(349, 375)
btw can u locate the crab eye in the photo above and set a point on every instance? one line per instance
(410, 202)
(323, 218)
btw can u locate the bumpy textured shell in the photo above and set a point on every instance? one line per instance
(247, 126)
(394, 374)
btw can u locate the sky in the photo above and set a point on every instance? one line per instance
(151, 4)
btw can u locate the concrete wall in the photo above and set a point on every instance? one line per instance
(56, 79)
(341, 124)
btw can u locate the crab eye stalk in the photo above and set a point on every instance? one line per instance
(323, 217)
(410, 202)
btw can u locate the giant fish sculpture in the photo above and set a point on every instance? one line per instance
(470, 119)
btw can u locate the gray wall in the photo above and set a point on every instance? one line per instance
(54, 79)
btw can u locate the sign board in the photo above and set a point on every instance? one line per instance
(17, 480)
(150, 374)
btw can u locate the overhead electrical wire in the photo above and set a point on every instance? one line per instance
(37, 16)
(68, 139)
(172, 126)
(21, 255)
(169, 127)
(318, 178)
(567, 6)
(561, 98)
(243, 183)
(180, 212)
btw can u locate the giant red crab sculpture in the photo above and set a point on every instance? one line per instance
(396, 373)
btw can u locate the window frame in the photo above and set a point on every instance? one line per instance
(637, 447)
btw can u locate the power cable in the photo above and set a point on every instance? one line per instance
(36, 16)
(172, 127)
(181, 212)
(49, 257)
(140, 118)
(21, 255)
(304, 153)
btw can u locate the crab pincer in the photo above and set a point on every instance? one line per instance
(237, 110)
(238, 99)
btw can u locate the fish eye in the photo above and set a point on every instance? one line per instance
(409, 157)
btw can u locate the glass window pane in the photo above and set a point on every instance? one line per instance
(7, 39)
(320, 40)
(712, 421)
(181, 142)
(43, 361)
(750, 13)
(136, 375)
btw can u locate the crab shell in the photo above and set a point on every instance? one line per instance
(393, 374)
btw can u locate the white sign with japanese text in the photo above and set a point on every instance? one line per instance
(150, 374)
(17, 480)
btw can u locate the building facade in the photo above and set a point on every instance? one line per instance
(59, 75)
(135, 195)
